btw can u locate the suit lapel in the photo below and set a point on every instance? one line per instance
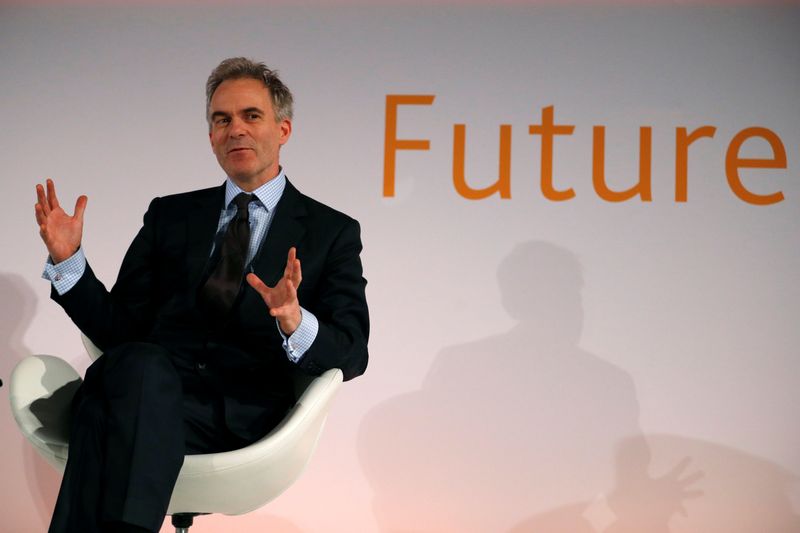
(285, 231)
(202, 221)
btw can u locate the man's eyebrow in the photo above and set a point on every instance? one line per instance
(252, 110)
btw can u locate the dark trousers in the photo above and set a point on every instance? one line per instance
(132, 425)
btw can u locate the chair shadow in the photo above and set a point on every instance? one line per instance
(54, 412)
(730, 491)
(29, 480)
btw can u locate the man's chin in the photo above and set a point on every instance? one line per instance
(240, 172)
(249, 180)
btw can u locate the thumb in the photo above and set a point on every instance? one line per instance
(80, 206)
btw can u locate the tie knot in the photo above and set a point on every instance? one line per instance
(242, 200)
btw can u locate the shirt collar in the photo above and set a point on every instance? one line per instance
(268, 194)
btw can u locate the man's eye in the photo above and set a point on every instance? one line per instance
(253, 116)
(223, 121)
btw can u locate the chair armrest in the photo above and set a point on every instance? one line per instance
(262, 470)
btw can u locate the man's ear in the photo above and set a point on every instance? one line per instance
(286, 131)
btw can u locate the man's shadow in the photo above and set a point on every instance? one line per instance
(27, 477)
(514, 432)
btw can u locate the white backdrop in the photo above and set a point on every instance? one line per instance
(573, 366)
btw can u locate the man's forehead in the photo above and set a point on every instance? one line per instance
(241, 93)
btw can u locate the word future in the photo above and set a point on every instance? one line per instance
(548, 130)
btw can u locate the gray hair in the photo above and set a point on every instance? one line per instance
(240, 67)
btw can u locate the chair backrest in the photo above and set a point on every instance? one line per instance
(301, 383)
(93, 351)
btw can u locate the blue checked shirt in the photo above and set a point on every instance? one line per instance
(66, 274)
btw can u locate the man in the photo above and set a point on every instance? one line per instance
(195, 359)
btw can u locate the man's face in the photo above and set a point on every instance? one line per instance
(244, 134)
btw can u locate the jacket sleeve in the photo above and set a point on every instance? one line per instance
(340, 306)
(126, 312)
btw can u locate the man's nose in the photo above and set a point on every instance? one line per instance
(237, 127)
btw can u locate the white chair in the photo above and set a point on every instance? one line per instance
(41, 389)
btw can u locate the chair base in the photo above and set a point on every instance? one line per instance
(183, 521)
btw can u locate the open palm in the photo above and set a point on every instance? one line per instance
(60, 232)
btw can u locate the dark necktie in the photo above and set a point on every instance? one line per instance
(220, 290)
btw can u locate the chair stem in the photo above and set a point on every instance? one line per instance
(182, 522)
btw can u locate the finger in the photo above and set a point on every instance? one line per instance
(287, 272)
(260, 287)
(280, 312)
(42, 199)
(80, 207)
(679, 468)
(40, 216)
(285, 310)
(297, 275)
(255, 282)
(693, 478)
(291, 294)
(51, 194)
(283, 305)
(289, 317)
(692, 494)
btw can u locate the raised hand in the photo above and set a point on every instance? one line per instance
(282, 298)
(60, 232)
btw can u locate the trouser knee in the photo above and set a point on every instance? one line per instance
(139, 363)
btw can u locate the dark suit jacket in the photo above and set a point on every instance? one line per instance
(240, 358)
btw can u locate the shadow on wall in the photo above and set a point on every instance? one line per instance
(517, 432)
(30, 485)
(732, 492)
(739, 492)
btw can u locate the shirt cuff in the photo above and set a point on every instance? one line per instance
(300, 341)
(65, 274)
